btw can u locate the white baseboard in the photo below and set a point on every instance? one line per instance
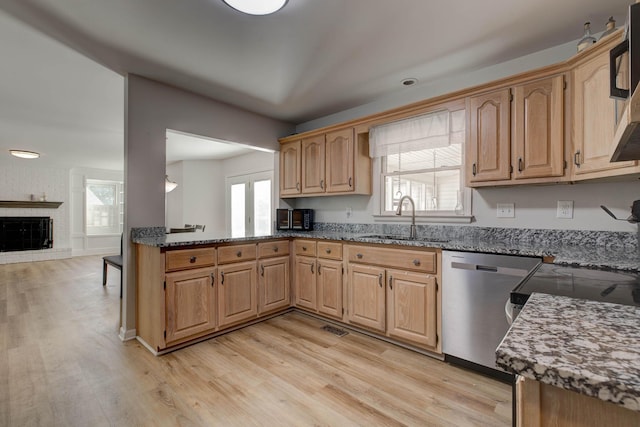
(148, 347)
(126, 335)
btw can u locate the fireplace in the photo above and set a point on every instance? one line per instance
(25, 233)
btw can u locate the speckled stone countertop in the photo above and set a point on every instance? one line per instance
(618, 251)
(584, 346)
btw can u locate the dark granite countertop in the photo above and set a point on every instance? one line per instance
(591, 253)
(584, 346)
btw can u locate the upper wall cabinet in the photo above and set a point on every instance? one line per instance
(595, 116)
(516, 134)
(331, 163)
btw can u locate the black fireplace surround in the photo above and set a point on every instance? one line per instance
(25, 233)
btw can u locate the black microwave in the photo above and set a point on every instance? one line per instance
(294, 219)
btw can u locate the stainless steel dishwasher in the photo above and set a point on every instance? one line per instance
(474, 289)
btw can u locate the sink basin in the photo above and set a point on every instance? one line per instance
(399, 237)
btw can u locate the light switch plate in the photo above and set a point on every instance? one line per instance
(506, 210)
(565, 209)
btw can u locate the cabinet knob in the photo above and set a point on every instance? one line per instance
(359, 256)
(304, 248)
(192, 259)
(328, 250)
(239, 254)
(416, 262)
(275, 249)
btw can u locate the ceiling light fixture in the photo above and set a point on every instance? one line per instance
(256, 7)
(23, 154)
(409, 82)
(169, 185)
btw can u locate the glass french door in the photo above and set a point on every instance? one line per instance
(249, 204)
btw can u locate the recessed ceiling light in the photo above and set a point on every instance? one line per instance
(256, 7)
(24, 154)
(409, 82)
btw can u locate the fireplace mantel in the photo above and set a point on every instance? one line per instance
(29, 204)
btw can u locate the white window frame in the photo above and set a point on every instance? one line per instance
(378, 198)
(119, 202)
(248, 179)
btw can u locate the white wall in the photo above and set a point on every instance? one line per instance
(174, 200)
(152, 108)
(81, 243)
(21, 180)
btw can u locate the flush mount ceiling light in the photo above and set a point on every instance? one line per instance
(23, 154)
(256, 7)
(409, 82)
(169, 185)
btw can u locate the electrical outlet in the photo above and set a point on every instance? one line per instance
(565, 209)
(349, 211)
(506, 210)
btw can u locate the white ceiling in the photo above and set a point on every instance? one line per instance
(310, 59)
(183, 146)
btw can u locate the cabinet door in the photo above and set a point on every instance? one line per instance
(340, 158)
(313, 157)
(366, 291)
(330, 287)
(190, 303)
(412, 307)
(489, 151)
(290, 162)
(595, 118)
(539, 128)
(273, 288)
(305, 282)
(237, 299)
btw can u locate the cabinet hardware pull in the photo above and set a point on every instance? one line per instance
(275, 249)
(391, 282)
(262, 269)
(213, 279)
(350, 182)
(328, 250)
(304, 248)
(319, 267)
(416, 262)
(322, 184)
(519, 164)
(222, 277)
(192, 259)
(576, 158)
(473, 169)
(380, 280)
(359, 256)
(311, 268)
(297, 186)
(239, 254)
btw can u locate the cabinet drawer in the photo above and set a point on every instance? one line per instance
(397, 258)
(305, 247)
(189, 258)
(271, 249)
(236, 253)
(330, 250)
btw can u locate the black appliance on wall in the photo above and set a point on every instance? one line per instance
(294, 219)
(25, 233)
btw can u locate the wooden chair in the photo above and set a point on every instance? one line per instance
(114, 261)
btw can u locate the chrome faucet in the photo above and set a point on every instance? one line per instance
(412, 232)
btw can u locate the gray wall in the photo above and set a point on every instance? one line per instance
(151, 108)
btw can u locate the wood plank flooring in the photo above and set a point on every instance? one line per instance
(62, 364)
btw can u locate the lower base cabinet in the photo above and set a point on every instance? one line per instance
(273, 284)
(367, 304)
(190, 303)
(329, 287)
(305, 282)
(237, 293)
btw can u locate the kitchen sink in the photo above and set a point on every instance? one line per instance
(407, 238)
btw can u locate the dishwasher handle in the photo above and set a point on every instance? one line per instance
(486, 268)
(509, 271)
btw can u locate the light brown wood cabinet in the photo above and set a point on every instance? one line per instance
(539, 404)
(305, 282)
(190, 303)
(329, 287)
(395, 291)
(273, 276)
(512, 143)
(237, 284)
(331, 163)
(595, 117)
(290, 169)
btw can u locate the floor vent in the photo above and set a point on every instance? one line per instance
(335, 331)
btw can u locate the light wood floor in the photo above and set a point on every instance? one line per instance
(62, 364)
